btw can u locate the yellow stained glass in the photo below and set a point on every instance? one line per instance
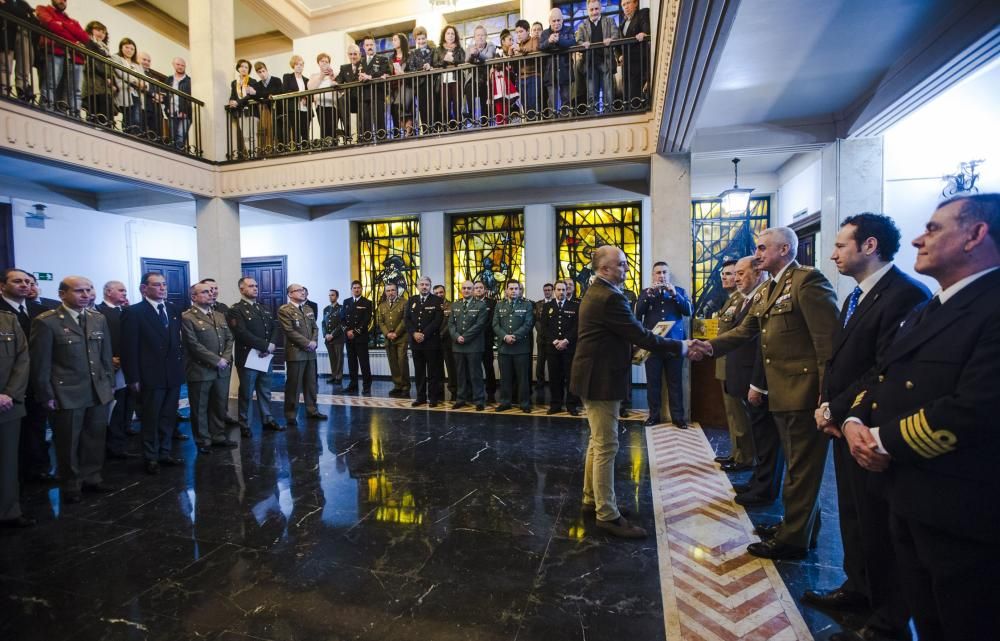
(487, 248)
(582, 229)
(389, 252)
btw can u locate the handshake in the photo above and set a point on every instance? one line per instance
(698, 349)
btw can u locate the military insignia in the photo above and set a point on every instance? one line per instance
(922, 439)
(756, 297)
(551, 311)
(857, 399)
(413, 306)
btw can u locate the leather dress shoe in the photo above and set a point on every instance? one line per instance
(741, 488)
(226, 443)
(367, 390)
(653, 420)
(869, 633)
(682, 425)
(751, 500)
(526, 409)
(623, 412)
(319, 416)
(767, 531)
(772, 549)
(152, 467)
(573, 411)
(723, 459)
(171, 461)
(274, 426)
(735, 467)
(837, 599)
(622, 528)
(418, 402)
(590, 508)
(202, 449)
(19, 522)
(459, 405)
(480, 407)
(553, 410)
(98, 488)
(433, 404)
(503, 407)
(349, 389)
(291, 422)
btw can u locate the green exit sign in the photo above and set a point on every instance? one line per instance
(43, 275)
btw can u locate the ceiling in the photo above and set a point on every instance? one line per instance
(759, 164)
(795, 60)
(247, 21)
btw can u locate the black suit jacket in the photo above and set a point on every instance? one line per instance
(151, 354)
(114, 318)
(253, 328)
(183, 105)
(242, 103)
(31, 308)
(934, 401)
(606, 331)
(378, 67)
(272, 87)
(745, 364)
(559, 324)
(861, 344)
(358, 318)
(427, 318)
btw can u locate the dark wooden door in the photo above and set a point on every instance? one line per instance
(808, 231)
(178, 275)
(270, 272)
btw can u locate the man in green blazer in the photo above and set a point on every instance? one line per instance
(467, 328)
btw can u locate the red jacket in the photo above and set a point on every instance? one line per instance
(63, 26)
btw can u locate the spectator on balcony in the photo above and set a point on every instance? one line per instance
(373, 67)
(421, 59)
(129, 86)
(98, 83)
(350, 73)
(16, 53)
(448, 55)
(243, 91)
(298, 123)
(478, 85)
(63, 69)
(152, 100)
(555, 40)
(598, 68)
(327, 103)
(528, 80)
(269, 87)
(504, 76)
(178, 108)
(635, 58)
(400, 91)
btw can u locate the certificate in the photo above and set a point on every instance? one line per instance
(660, 329)
(258, 362)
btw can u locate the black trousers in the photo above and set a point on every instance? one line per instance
(672, 367)
(769, 468)
(33, 448)
(489, 373)
(450, 368)
(121, 419)
(559, 367)
(949, 581)
(428, 364)
(357, 357)
(159, 419)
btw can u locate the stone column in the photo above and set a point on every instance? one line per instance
(218, 229)
(852, 182)
(539, 248)
(536, 11)
(211, 39)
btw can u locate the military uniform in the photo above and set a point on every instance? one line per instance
(207, 339)
(253, 327)
(489, 349)
(446, 352)
(559, 322)
(933, 398)
(795, 315)
(333, 326)
(358, 319)
(541, 352)
(424, 315)
(298, 324)
(391, 319)
(14, 372)
(469, 319)
(654, 305)
(741, 448)
(514, 318)
(71, 364)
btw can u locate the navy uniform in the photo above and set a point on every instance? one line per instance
(358, 318)
(559, 322)
(934, 400)
(207, 339)
(71, 364)
(333, 326)
(298, 324)
(253, 327)
(654, 305)
(514, 318)
(424, 315)
(469, 319)
(14, 371)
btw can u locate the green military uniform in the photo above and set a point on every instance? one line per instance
(206, 339)
(741, 441)
(446, 351)
(514, 318)
(298, 324)
(469, 319)
(14, 369)
(795, 315)
(390, 317)
(71, 363)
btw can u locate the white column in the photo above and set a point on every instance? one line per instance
(536, 11)
(333, 43)
(212, 43)
(218, 230)
(539, 248)
(433, 247)
(852, 183)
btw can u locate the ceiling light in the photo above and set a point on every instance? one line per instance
(735, 201)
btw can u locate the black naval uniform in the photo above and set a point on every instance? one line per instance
(253, 327)
(558, 322)
(424, 315)
(358, 318)
(657, 304)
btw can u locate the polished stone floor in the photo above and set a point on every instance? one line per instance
(374, 524)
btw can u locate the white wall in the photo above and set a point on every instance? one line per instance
(960, 125)
(120, 25)
(97, 245)
(800, 188)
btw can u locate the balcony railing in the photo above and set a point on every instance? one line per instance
(47, 72)
(575, 83)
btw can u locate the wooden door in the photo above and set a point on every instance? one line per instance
(178, 275)
(270, 272)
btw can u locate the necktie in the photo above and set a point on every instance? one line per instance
(771, 286)
(21, 314)
(82, 319)
(161, 310)
(927, 311)
(852, 304)
(423, 299)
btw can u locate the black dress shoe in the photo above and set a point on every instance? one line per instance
(480, 407)
(274, 426)
(291, 422)
(19, 522)
(837, 599)
(171, 461)
(653, 420)
(230, 420)
(741, 488)
(245, 432)
(735, 467)
(526, 409)
(752, 500)
(869, 633)
(503, 407)
(723, 459)
(418, 403)
(319, 416)
(367, 390)
(682, 425)
(459, 405)
(622, 528)
(226, 443)
(622, 412)
(553, 410)
(349, 389)
(573, 411)
(204, 450)
(772, 549)
(590, 508)
(98, 488)
(152, 467)
(767, 531)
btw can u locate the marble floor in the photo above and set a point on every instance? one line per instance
(376, 523)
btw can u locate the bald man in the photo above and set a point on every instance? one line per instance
(72, 373)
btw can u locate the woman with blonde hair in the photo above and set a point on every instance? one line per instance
(300, 113)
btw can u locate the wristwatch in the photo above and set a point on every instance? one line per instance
(827, 416)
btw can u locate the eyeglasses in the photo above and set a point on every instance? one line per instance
(300, 289)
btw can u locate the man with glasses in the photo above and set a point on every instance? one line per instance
(298, 324)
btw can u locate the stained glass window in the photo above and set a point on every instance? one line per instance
(717, 237)
(389, 252)
(582, 229)
(487, 248)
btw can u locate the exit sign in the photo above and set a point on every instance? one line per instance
(43, 275)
